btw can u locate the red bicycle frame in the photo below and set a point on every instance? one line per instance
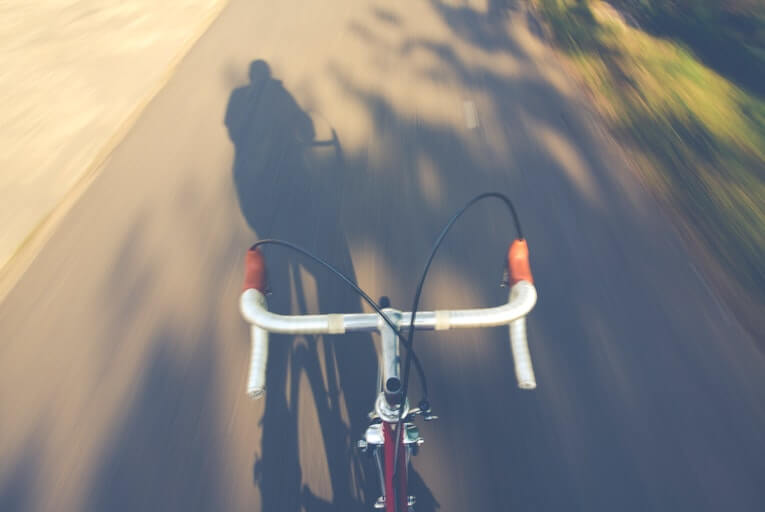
(391, 439)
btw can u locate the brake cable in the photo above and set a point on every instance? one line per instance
(410, 336)
(408, 341)
(409, 355)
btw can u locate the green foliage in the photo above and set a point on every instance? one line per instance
(687, 97)
(727, 35)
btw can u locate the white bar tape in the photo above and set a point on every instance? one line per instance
(443, 320)
(524, 371)
(256, 379)
(336, 324)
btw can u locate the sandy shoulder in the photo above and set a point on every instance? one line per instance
(73, 73)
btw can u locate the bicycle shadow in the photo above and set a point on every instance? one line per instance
(283, 162)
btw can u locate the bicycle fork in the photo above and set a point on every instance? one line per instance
(374, 445)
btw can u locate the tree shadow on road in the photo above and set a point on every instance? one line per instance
(603, 402)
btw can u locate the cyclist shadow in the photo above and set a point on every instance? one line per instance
(289, 174)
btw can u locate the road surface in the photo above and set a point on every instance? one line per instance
(356, 130)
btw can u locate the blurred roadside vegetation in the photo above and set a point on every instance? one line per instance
(682, 82)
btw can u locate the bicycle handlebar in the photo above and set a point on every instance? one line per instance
(521, 300)
(253, 307)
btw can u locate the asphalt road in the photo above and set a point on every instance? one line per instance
(123, 356)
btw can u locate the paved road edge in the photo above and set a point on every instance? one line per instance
(13, 270)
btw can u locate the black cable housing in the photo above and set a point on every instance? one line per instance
(416, 302)
(362, 294)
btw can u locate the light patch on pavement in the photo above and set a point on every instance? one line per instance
(568, 157)
(429, 180)
(471, 115)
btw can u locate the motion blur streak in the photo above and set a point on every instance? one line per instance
(341, 128)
